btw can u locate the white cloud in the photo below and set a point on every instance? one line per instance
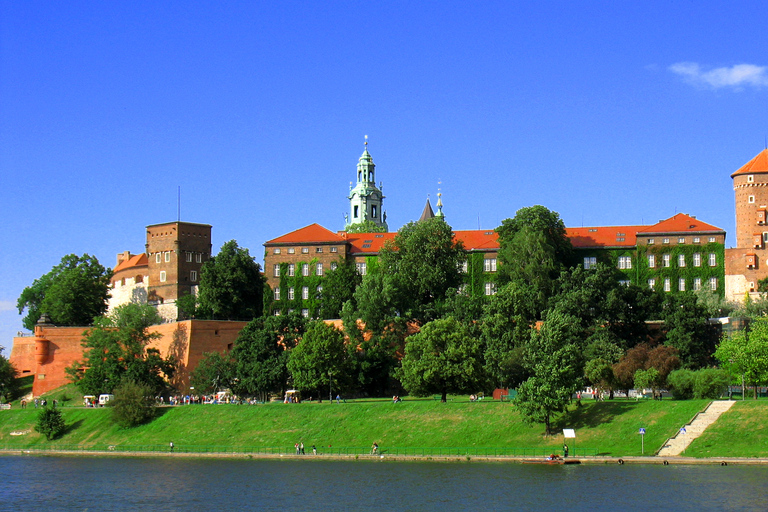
(736, 76)
(7, 305)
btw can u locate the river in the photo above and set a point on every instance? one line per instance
(160, 484)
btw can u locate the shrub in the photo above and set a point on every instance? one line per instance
(681, 383)
(50, 423)
(710, 383)
(133, 404)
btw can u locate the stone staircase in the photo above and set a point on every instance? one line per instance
(676, 445)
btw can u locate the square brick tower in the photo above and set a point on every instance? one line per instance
(175, 252)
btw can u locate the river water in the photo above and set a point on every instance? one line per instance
(85, 483)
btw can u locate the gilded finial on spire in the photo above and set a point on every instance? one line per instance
(366, 142)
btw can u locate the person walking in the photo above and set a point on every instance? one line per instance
(374, 449)
(314, 450)
(171, 445)
(565, 451)
(301, 447)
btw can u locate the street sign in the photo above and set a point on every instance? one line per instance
(569, 433)
(682, 430)
(642, 431)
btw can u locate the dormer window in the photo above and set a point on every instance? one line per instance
(751, 261)
(757, 240)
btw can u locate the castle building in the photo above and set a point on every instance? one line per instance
(747, 263)
(365, 199)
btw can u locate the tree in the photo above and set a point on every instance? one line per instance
(215, 371)
(554, 362)
(261, 354)
(74, 292)
(338, 287)
(442, 358)
(366, 226)
(8, 382)
(231, 285)
(50, 423)
(687, 329)
(645, 379)
(321, 360)
(662, 358)
(745, 353)
(134, 404)
(117, 348)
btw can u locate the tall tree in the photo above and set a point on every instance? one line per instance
(215, 371)
(556, 367)
(8, 382)
(745, 353)
(320, 361)
(687, 330)
(117, 348)
(74, 292)
(338, 287)
(442, 358)
(231, 285)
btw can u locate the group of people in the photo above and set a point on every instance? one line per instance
(396, 399)
(300, 448)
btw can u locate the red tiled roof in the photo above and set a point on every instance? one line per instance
(603, 236)
(680, 223)
(758, 164)
(314, 233)
(477, 239)
(368, 242)
(137, 260)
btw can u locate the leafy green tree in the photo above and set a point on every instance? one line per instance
(231, 285)
(374, 361)
(8, 375)
(50, 423)
(648, 379)
(117, 348)
(215, 371)
(745, 353)
(662, 358)
(687, 329)
(320, 360)
(710, 383)
(556, 368)
(261, 354)
(367, 226)
(338, 287)
(134, 404)
(442, 358)
(74, 292)
(681, 383)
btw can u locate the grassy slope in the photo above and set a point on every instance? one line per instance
(610, 428)
(742, 431)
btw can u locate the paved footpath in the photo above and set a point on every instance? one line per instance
(677, 445)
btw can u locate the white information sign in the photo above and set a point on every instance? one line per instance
(569, 433)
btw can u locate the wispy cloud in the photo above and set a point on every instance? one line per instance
(736, 77)
(7, 305)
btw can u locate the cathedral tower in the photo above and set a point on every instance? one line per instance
(365, 200)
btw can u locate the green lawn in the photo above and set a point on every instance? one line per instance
(608, 428)
(742, 431)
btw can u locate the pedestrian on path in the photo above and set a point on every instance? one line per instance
(171, 446)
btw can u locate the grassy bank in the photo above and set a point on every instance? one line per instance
(607, 428)
(742, 431)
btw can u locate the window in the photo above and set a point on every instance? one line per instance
(361, 268)
(666, 240)
(334, 249)
(305, 292)
(750, 178)
(712, 259)
(490, 288)
(334, 265)
(681, 240)
(713, 283)
(305, 312)
(290, 293)
(291, 250)
(276, 312)
(751, 199)
(625, 262)
(625, 282)
(305, 250)
(373, 211)
(490, 265)
(665, 260)
(318, 249)
(681, 284)
(319, 289)
(199, 257)
(652, 284)
(189, 257)
(711, 239)
(162, 276)
(356, 209)
(681, 260)
(276, 250)
(667, 285)
(651, 261)
(193, 276)
(158, 258)
(277, 293)
(590, 262)
(464, 267)
(291, 269)
(305, 269)
(319, 269)
(276, 270)
(651, 241)
(697, 259)
(765, 236)
(696, 284)
(696, 240)
(167, 256)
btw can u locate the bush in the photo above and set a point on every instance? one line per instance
(133, 404)
(710, 383)
(50, 423)
(681, 383)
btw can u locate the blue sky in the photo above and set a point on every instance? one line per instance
(609, 113)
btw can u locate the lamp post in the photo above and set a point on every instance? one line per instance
(330, 387)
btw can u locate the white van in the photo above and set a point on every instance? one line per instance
(105, 399)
